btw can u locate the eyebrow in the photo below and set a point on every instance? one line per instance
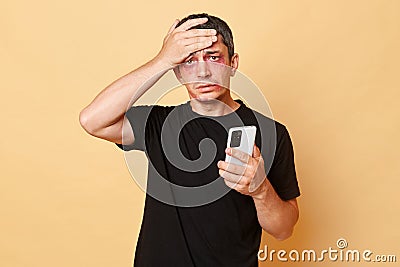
(209, 52)
(212, 52)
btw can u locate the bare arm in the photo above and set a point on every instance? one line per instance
(276, 216)
(104, 116)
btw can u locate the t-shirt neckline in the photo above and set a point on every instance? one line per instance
(242, 105)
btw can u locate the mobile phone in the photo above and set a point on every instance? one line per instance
(241, 138)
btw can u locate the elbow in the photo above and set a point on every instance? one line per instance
(283, 235)
(84, 122)
(279, 234)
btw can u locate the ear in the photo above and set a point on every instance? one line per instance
(234, 63)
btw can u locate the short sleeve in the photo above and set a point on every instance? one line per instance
(139, 117)
(282, 174)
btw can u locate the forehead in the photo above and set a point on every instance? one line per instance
(216, 46)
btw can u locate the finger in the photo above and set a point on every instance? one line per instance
(240, 155)
(173, 26)
(198, 32)
(233, 178)
(256, 152)
(237, 187)
(231, 167)
(191, 23)
(194, 40)
(197, 46)
(230, 184)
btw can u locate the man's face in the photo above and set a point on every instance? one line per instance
(206, 73)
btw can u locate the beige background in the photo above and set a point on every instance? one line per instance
(329, 70)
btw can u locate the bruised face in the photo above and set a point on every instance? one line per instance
(206, 73)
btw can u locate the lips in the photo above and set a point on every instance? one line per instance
(206, 87)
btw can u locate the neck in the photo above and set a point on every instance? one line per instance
(214, 107)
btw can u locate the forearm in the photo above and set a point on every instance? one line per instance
(110, 105)
(112, 102)
(276, 216)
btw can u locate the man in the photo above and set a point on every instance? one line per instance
(227, 230)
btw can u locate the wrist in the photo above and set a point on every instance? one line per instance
(262, 191)
(160, 61)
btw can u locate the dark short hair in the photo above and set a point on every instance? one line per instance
(214, 23)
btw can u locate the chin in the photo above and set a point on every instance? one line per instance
(207, 97)
(210, 96)
(204, 99)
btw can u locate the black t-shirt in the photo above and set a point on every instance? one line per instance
(224, 232)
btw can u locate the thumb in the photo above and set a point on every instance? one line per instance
(256, 151)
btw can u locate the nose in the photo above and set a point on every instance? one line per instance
(203, 70)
